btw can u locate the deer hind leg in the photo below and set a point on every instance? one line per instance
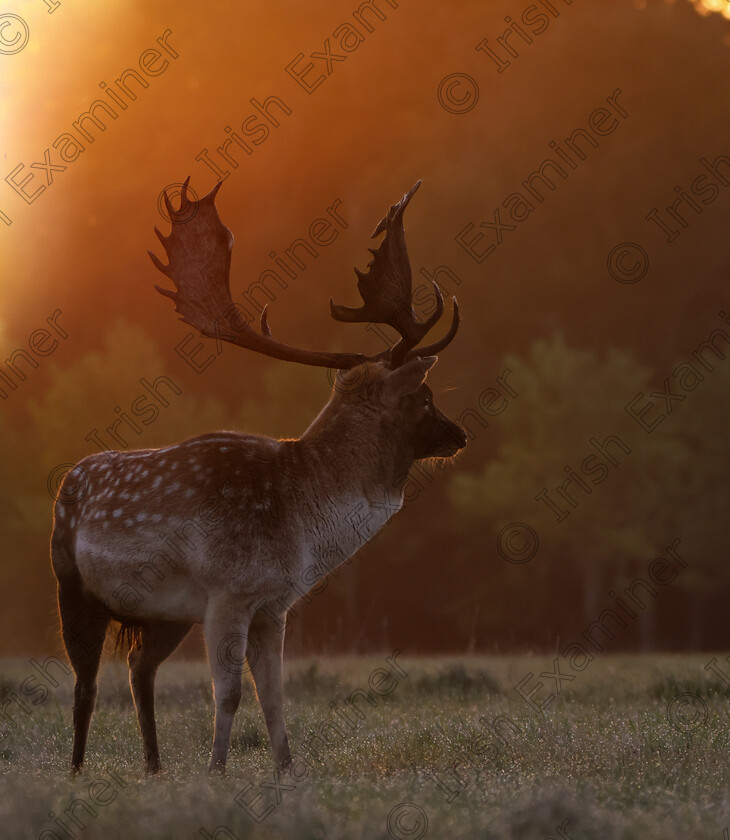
(266, 644)
(83, 623)
(226, 639)
(157, 641)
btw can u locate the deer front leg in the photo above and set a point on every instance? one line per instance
(226, 640)
(265, 658)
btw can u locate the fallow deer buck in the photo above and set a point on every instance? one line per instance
(278, 512)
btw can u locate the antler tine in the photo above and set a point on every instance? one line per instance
(160, 266)
(265, 329)
(184, 193)
(433, 319)
(397, 210)
(386, 288)
(177, 215)
(403, 348)
(438, 346)
(170, 211)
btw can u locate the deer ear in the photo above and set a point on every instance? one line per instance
(407, 378)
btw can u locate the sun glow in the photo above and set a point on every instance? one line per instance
(706, 7)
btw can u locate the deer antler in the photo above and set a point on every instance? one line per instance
(387, 292)
(199, 251)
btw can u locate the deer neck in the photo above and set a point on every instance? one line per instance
(355, 465)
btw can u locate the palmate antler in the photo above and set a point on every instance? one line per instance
(199, 251)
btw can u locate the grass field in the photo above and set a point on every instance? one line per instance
(633, 747)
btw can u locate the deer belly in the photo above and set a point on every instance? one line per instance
(135, 582)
